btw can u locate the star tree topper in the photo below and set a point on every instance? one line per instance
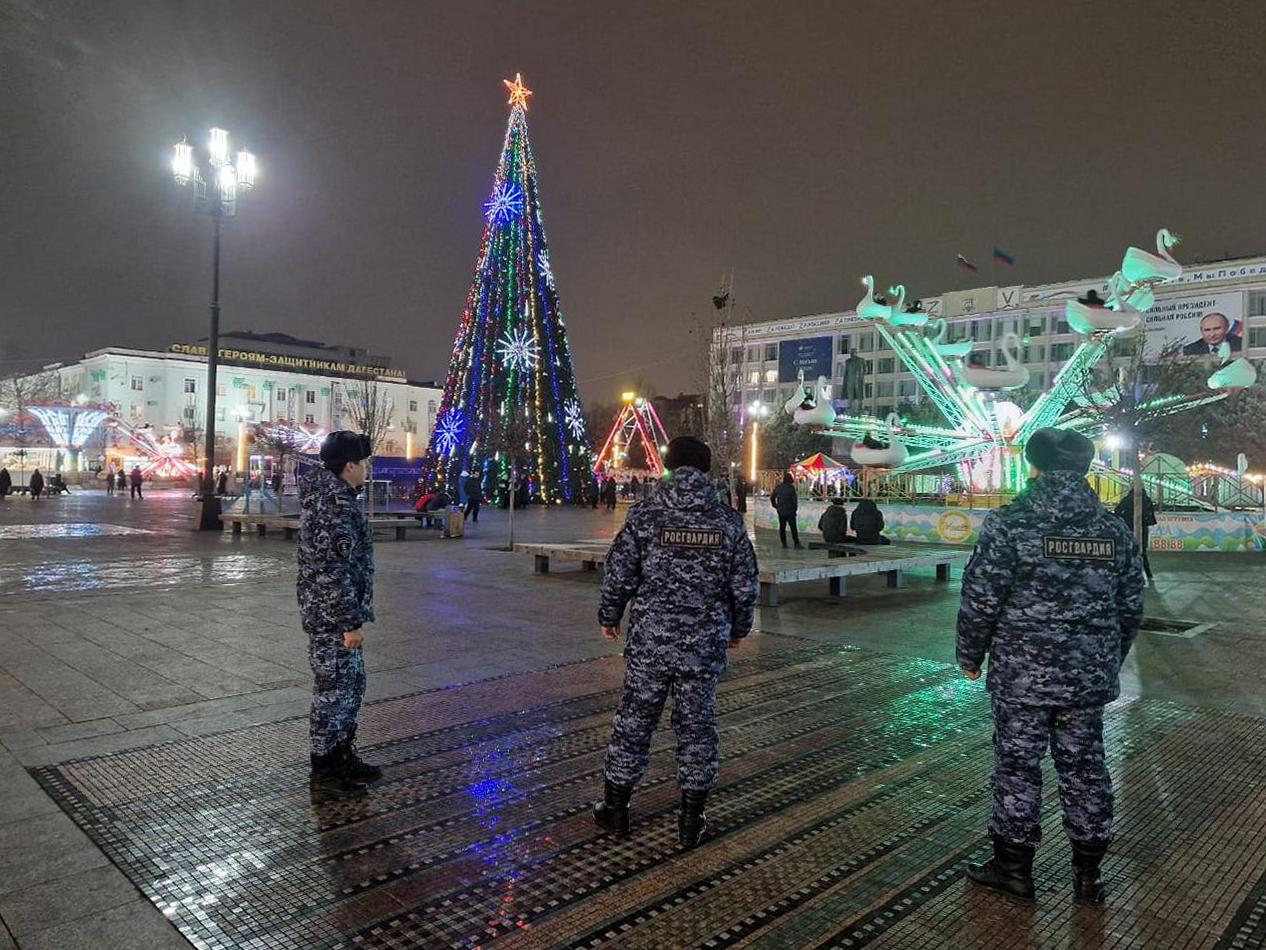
(518, 92)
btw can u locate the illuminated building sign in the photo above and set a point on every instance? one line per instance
(287, 362)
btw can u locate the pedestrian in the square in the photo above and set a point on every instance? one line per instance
(6, 482)
(474, 497)
(1053, 595)
(36, 484)
(685, 563)
(110, 481)
(120, 482)
(1125, 511)
(336, 599)
(741, 489)
(786, 502)
(137, 481)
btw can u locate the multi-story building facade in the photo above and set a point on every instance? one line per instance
(765, 357)
(261, 379)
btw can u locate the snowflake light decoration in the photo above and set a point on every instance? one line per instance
(449, 430)
(518, 350)
(574, 418)
(506, 203)
(547, 272)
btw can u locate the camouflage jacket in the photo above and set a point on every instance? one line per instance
(1054, 594)
(335, 556)
(686, 563)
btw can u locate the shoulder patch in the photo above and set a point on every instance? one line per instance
(343, 546)
(1079, 549)
(691, 537)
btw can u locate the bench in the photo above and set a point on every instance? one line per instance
(892, 560)
(775, 570)
(289, 527)
(589, 553)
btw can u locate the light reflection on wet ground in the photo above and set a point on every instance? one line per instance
(77, 574)
(45, 532)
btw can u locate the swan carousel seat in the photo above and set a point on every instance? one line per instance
(957, 349)
(903, 316)
(1143, 267)
(1238, 374)
(985, 377)
(868, 308)
(1089, 315)
(817, 411)
(1127, 296)
(802, 395)
(868, 452)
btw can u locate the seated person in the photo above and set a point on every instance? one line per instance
(57, 484)
(436, 502)
(834, 523)
(872, 441)
(868, 522)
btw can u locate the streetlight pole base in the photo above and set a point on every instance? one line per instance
(208, 516)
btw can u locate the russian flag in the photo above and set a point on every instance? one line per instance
(999, 255)
(966, 265)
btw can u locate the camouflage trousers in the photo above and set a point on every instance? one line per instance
(647, 684)
(337, 688)
(1074, 735)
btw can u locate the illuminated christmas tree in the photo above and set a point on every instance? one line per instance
(510, 397)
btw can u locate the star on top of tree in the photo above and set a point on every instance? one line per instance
(518, 92)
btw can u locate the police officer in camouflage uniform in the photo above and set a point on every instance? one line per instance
(336, 599)
(1054, 595)
(684, 560)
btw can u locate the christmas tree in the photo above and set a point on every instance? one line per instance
(510, 397)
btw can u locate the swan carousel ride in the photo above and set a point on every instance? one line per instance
(1232, 374)
(1090, 315)
(1143, 267)
(873, 453)
(816, 408)
(956, 350)
(1013, 376)
(870, 307)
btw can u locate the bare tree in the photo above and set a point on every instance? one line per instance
(511, 442)
(281, 441)
(18, 393)
(716, 339)
(370, 409)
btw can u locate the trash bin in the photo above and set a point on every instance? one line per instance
(454, 522)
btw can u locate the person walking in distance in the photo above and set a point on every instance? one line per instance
(786, 502)
(137, 480)
(474, 497)
(110, 480)
(1053, 595)
(35, 486)
(684, 561)
(336, 599)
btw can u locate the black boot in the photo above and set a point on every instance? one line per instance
(330, 776)
(613, 812)
(1087, 884)
(1009, 871)
(692, 822)
(355, 766)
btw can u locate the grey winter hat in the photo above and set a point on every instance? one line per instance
(344, 446)
(1059, 450)
(688, 450)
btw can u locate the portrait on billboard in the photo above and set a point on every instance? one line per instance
(1196, 325)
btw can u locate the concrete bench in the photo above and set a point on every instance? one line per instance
(589, 554)
(891, 560)
(289, 527)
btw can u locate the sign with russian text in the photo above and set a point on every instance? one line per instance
(812, 355)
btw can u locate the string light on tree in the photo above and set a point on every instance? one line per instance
(510, 390)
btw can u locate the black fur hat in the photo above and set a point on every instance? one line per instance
(688, 450)
(1059, 450)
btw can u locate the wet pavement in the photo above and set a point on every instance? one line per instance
(153, 778)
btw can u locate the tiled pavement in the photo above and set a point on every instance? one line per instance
(854, 779)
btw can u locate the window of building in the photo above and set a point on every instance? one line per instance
(885, 388)
(188, 413)
(768, 396)
(221, 389)
(905, 387)
(887, 365)
(1257, 303)
(1061, 326)
(771, 351)
(1061, 351)
(307, 418)
(771, 375)
(138, 384)
(191, 385)
(865, 343)
(413, 405)
(309, 397)
(736, 355)
(251, 392)
(869, 389)
(1035, 353)
(1257, 336)
(753, 354)
(219, 414)
(1037, 381)
(844, 343)
(753, 377)
(1036, 326)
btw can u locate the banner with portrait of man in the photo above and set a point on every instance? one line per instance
(1195, 324)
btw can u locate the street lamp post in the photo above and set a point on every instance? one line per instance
(757, 412)
(219, 200)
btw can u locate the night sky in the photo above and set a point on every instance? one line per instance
(798, 144)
